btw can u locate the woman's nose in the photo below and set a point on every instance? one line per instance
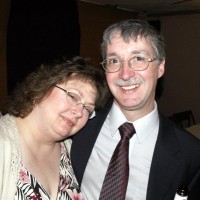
(78, 110)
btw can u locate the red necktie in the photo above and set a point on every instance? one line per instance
(116, 178)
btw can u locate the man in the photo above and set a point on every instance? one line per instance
(161, 156)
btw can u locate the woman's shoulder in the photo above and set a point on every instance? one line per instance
(68, 144)
(7, 120)
(7, 126)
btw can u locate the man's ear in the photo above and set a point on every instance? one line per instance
(161, 69)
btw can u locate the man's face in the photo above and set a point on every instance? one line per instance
(133, 90)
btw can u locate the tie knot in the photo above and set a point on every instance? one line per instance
(126, 130)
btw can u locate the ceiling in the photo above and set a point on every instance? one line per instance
(153, 7)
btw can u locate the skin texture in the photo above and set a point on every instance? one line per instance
(136, 100)
(63, 119)
(50, 121)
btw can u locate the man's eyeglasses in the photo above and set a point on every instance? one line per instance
(75, 100)
(137, 63)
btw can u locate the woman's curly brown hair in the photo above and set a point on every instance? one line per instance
(40, 83)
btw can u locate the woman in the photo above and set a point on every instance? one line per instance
(52, 104)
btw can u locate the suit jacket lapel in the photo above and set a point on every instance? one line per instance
(164, 165)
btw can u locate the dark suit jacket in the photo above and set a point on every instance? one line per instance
(176, 158)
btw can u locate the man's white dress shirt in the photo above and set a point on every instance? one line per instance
(141, 149)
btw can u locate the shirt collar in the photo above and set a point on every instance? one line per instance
(116, 118)
(147, 124)
(143, 126)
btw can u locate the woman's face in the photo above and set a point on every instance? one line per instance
(63, 113)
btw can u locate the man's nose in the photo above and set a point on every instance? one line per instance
(126, 70)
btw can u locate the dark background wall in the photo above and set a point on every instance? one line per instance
(182, 35)
(39, 31)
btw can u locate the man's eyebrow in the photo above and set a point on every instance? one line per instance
(139, 51)
(111, 54)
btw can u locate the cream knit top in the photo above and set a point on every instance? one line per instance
(10, 157)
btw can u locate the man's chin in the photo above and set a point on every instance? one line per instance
(128, 104)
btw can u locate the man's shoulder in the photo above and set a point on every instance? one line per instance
(184, 138)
